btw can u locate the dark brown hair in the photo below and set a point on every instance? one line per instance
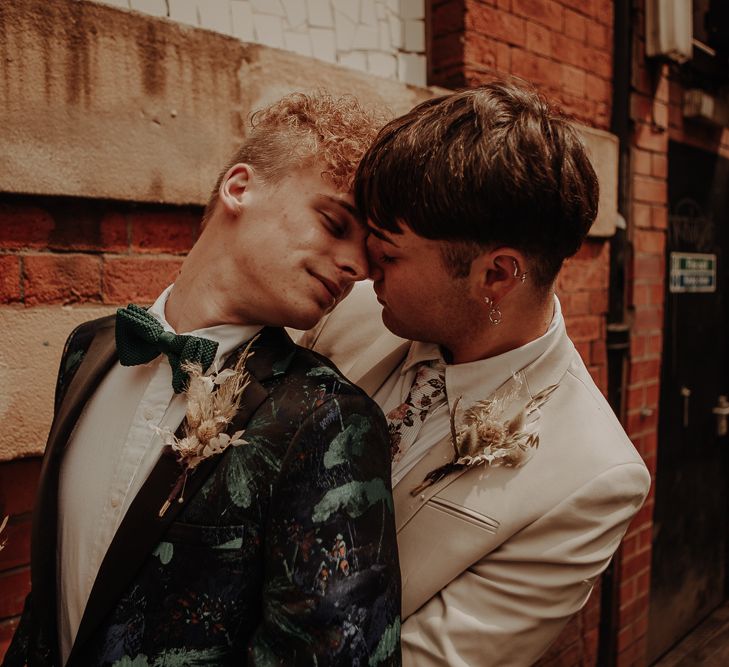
(493, 165)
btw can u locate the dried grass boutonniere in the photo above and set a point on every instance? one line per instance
(212, 402)
(487, 436)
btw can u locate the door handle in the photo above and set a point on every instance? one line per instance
(722, 415)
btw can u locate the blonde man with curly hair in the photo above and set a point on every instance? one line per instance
(274, 544)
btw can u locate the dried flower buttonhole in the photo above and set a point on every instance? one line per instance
(487, 436)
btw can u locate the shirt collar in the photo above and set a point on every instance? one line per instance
(476, 379)
(227, 336)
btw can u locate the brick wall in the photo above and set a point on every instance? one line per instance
(564, 47)
(60, 251)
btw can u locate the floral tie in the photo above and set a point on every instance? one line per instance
(406, 420)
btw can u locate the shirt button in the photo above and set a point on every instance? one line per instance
(115, 501)
(148, 414)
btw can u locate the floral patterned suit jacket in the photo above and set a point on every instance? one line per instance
(283, 553)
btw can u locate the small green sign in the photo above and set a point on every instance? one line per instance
(692, 272)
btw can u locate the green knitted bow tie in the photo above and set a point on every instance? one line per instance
(140, 338)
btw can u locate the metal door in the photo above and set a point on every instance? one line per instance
(688, 573)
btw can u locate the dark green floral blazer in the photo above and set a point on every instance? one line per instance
(283, 553)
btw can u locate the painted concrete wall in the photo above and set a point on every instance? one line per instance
(117, 104)
(382, 37)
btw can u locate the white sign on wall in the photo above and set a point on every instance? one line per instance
(692, 272)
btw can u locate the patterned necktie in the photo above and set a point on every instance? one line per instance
(141, 338)
(406, 420)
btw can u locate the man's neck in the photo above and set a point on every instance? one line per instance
(198, 299)
(519, 326)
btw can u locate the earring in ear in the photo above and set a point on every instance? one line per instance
(522, 276)
(494, 312)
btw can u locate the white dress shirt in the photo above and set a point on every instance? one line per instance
(109, 456)
(473, 381)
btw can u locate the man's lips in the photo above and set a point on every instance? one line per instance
(332, 287)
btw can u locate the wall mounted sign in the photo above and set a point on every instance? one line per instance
(692, 272)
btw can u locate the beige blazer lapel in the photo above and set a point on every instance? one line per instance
(378, 362)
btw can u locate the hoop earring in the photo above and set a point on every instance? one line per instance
(494, 312)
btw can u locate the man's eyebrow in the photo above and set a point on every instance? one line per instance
(345, 205)
(381, 235)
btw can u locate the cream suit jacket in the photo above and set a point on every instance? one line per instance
(494, 561)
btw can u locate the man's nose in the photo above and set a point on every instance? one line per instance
(354, 262)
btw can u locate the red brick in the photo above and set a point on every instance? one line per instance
(659, 165)
(584, 328)
(600, 62)
(163, 231)
(651, 139)
(575, 25)
(598, 352)
(24, 226)
(448, 17)
(641, 215)
(14, 587)
(649, 189)
(137, 279)
(18, 484)
(495, 23)
(570, 51)
(598, 89)
(599, 302)
(447, 50)
(641, 161)
(650, 242)
(538, 39)
(87, 226)
(641, 108)
(61, 278)
(573, 80)
(583, 275)
(10, 286)
(482, 53)
(534, 68)
(547, 12)
(598, 35)
(659, 217)
(648, 319)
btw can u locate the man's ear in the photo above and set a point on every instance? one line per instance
(497, 272)
(234, 185)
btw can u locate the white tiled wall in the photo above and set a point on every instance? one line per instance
(383, 37)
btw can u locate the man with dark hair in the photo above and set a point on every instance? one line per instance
(263, 534)
(513, 480)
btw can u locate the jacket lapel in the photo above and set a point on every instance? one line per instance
(98, 359)
(378, 362)
(142, 528)
(545, 371)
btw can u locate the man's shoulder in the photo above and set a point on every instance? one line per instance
(345, 333)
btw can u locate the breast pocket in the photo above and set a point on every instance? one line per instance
(451, 509)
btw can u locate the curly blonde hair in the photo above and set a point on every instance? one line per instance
(299, 127)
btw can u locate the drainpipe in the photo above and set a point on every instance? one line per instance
(618, 328)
